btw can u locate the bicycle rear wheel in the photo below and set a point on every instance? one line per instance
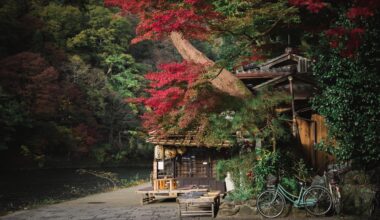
(318, 200)
(270, 204)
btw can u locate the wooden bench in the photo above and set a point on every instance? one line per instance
(205, 205)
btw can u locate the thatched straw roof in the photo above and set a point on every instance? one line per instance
(187, 139)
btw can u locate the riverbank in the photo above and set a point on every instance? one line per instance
(28, 189)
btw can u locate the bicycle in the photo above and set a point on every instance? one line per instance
(316, 199)
(332, 179)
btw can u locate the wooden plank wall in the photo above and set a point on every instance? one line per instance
(311, 132)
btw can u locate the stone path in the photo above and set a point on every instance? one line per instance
(123, 204)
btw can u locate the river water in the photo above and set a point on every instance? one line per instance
(27, 188)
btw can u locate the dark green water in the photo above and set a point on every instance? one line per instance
(20, 189)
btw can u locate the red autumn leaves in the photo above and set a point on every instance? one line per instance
(160, 18)
(168, 89)
(346, 40)
(164, 22)
(312, 5)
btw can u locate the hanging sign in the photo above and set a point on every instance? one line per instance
(160, 165)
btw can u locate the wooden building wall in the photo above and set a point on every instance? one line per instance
(196, 167)
(312, 132)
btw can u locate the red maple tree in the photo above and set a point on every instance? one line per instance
(30, 76)
(159, 18)
(170, 92)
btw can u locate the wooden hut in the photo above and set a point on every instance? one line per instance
(181, 165)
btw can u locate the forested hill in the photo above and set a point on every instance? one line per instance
(66, 71)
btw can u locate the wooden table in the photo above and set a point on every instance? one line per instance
(205, 205)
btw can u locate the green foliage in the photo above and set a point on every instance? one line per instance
(125, 78)
(240, 168)
(106, 93)
(349, 97)
(253, 28)
(290, 184)
(301, 171)
(254, 117)
(231, 50)
(61, 21)
(241, 194)
(103, 35)
(249, 172)
(236, 166)
(267, 164)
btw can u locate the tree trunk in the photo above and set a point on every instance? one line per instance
(224, 79)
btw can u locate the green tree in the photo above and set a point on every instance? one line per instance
(104, 34)
(61, 22)
(253, 29)
(124, 75)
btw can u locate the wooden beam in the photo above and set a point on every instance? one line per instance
(260, 74)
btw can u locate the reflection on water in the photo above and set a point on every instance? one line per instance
(19, 189)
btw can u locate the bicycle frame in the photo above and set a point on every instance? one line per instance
(297, 201)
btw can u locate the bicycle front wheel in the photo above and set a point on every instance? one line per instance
(318, 200)
(270, 204)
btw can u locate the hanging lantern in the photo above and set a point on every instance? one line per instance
(181, 150)
(170, 153)
(158, 152)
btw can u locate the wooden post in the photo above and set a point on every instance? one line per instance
(154, 172)
(163, 159)
(294, 124)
